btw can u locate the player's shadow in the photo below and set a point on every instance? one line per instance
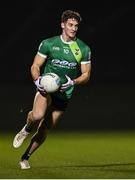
(116, 167)
(93, 166)
(103, 165)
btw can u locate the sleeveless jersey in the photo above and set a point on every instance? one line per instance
(64, 58)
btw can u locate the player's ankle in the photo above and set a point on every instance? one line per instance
(25, 156)
(29, 127)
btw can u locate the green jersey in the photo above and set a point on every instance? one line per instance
(64, 58)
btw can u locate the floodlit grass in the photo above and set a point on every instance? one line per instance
(81, 155)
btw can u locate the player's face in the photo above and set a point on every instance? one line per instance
(70, 28)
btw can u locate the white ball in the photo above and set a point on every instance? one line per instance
(50, 82)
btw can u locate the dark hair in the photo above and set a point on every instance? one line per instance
(69, 14)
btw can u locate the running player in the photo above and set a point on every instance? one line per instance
(70, 58)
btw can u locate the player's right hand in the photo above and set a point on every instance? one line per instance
(39, 86)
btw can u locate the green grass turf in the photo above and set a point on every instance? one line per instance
(81, 155)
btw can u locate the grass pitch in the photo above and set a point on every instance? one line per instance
(71, 155)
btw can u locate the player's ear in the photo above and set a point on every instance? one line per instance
(62, 25)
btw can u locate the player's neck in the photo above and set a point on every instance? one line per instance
(66, 39)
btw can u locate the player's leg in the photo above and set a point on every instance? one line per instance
(40, 105)
(39, 108)
(52, 116)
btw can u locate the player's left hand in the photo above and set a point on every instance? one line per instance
(68, 84)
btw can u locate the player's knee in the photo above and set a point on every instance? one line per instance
(37, 116)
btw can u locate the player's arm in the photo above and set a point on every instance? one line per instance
(85, 76)
(35, 71)
(37, 64)
(85, 70)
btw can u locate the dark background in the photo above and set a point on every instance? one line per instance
(107, 101)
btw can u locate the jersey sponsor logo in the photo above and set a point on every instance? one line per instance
(64, 63)
(56, 48)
